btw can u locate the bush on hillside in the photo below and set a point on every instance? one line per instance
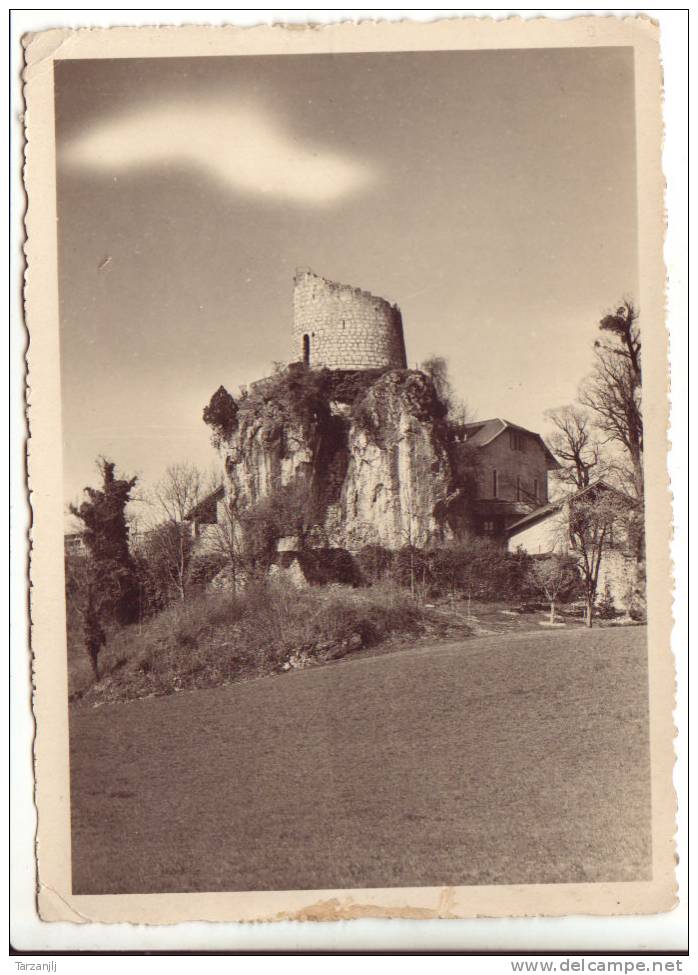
(284, 512)
(475, 567)
(204, 567)
(374, 563)
(411, 569)
(216, 638)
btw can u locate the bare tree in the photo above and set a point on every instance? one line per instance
(614, 390)
(178, 491)
(169, 539)
(167, 550)
(591, 525)
(555, 575)
(573, 444)
(225, 540)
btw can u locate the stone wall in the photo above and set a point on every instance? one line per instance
(620, 573)
(341, 327)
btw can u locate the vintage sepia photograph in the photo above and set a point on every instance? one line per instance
(352, 469)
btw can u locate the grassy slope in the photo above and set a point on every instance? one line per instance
(209, 641)
(507, 759)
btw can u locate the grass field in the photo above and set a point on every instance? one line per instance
(515, 758)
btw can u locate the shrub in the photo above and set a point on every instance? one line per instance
(347, 385)
(204, 567)
(373, 613)
(327, 566)
(295, 396)
(374, 562)
(605, 606)
(556, 577)
(284, 512)
(411, 568)
(637, 608)
(221, 415)
(214, 638)
(475, 566)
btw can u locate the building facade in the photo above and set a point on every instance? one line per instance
(511, 466)
(546, 531)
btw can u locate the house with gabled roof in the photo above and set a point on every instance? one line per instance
(542, 530)
(511, 467)
(546, 530)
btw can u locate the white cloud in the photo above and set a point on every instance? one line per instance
(241, 148)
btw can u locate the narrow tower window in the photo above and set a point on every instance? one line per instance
(306, 349)
(494, 484)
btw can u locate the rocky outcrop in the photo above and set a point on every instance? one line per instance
(398, 477)
(367, 452)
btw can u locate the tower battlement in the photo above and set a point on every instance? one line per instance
(342, 327)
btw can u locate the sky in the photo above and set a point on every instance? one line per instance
(491, 194)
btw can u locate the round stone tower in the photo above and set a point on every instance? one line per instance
(341, 327)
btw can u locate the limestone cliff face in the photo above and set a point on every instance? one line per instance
(257, 465)
(368, 452)
(398, 476)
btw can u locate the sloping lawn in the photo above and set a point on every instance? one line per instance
(503, 759)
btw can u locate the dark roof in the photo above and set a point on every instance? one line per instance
(483, 432)
(532, 518)
(595, 485)
(204, 506)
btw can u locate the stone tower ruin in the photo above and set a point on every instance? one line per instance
(340, 327)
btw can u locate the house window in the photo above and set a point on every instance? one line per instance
(488, 527)
(518, 488)
(535, 488)
(516, 440)
(494, 484)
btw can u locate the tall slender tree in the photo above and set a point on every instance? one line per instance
(169, 542)
(101, 584)
(593, 518)
(614, 390)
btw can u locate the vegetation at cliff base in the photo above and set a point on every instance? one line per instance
(216, 638)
